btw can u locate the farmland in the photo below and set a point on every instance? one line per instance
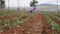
(17, 22)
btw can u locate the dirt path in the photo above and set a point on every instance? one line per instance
(34, 25)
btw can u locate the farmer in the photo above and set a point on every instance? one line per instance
(33, 5)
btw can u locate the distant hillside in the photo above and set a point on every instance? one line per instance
(46, 4)
(48, 7)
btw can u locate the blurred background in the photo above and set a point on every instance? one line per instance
(43, 5)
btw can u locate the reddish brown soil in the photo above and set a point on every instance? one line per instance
(36, 25)
(12, 21)
(8, 17)
(47, 27)
(56, 20)
(58, 15)
(23, 17)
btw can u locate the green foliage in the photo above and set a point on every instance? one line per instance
(33, 4)
(54, 24)
(2, 2)
(7, 24)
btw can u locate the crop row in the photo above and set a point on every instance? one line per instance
(13, 19)
(54, 24)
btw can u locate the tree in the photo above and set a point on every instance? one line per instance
(8, 5)
(33, 3)
(2, 2)
(18, 5)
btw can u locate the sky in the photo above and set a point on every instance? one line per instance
(26, 3)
